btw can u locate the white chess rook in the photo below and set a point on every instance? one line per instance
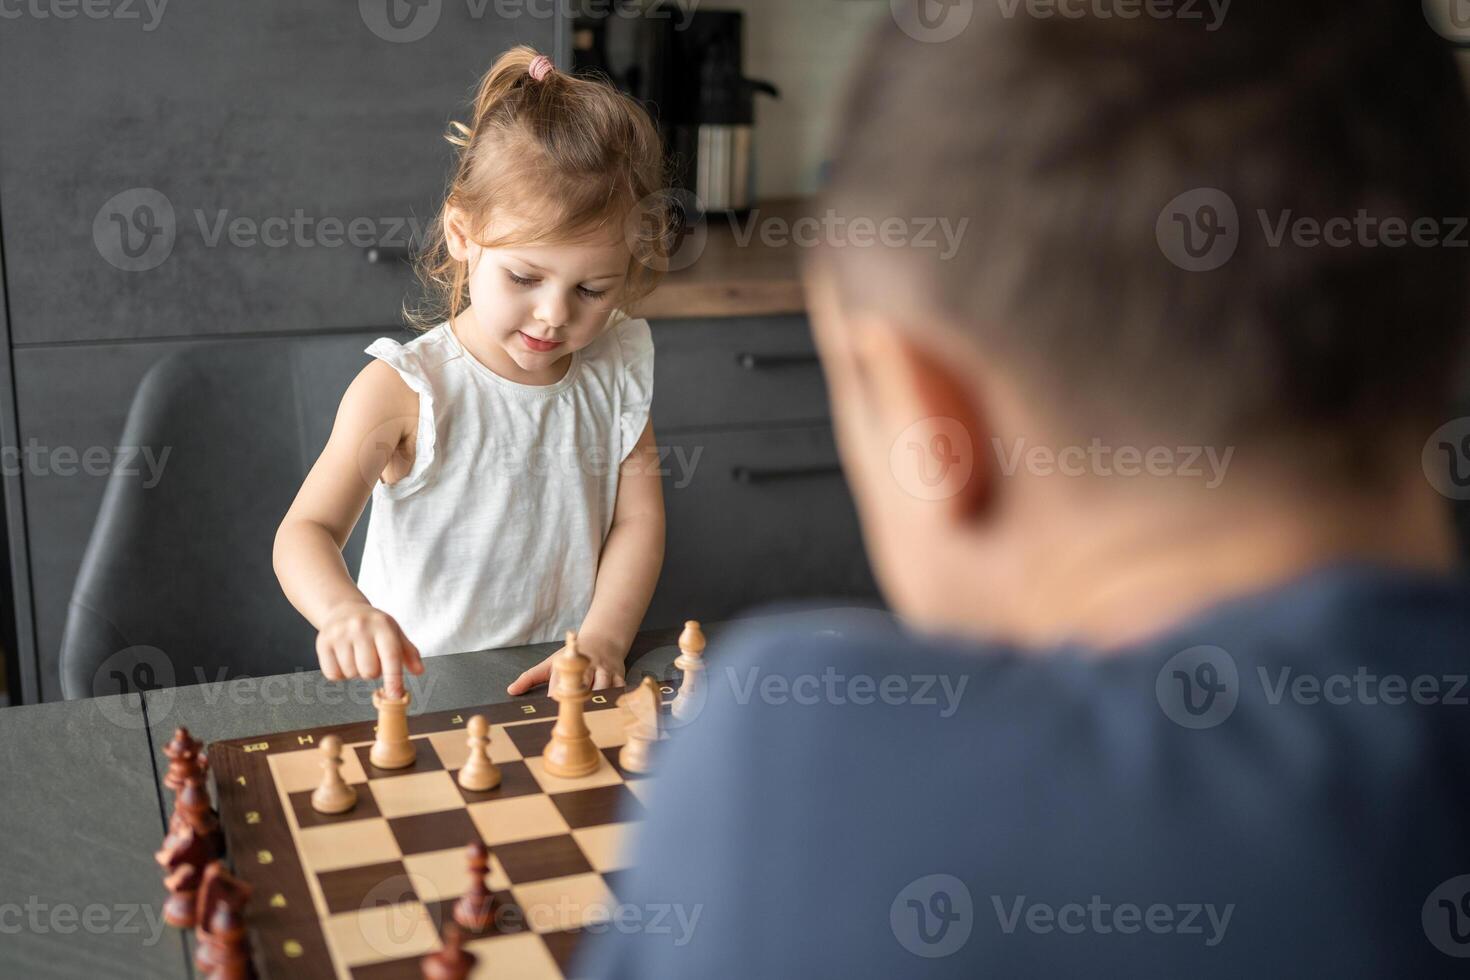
(392, 749)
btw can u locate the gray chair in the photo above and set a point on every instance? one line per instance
(176, 586)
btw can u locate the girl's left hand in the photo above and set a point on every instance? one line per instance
(606, 669)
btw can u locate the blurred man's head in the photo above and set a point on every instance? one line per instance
(1226, 260)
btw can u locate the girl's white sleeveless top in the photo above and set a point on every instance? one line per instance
(493, 537)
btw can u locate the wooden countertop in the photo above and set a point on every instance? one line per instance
(748, 267)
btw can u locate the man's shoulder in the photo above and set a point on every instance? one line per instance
(802, 667)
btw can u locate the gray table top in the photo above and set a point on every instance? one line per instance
(84, 811)
(80, 894)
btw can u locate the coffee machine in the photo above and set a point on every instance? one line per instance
(687, 69)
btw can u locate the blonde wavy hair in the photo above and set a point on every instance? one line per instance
(569, 160)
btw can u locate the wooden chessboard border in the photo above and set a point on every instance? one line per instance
(286, 934)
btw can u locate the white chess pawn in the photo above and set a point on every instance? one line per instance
(479, 773)
(333, 795)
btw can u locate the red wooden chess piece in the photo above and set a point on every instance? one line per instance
(221, 950)
(475, 908)
(185, 855)
(183, 759)
(453, 962)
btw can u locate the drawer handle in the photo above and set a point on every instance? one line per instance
(770, 474)
(754, 362)
(384, 254)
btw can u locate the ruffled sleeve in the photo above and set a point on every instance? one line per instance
(635, 342)
(410, 368)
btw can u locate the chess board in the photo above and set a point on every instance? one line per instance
(367, 893)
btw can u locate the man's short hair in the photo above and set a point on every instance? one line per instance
(1064, 140)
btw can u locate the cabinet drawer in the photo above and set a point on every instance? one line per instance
(139, 204)
(753, 517)
(735, 371)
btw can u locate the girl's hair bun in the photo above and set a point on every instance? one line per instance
(563, 158)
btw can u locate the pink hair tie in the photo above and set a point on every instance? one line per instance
(541, 67)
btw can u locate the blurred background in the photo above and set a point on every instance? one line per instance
(194, 196)
(205, 216)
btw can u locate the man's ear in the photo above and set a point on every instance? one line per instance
(930, 408)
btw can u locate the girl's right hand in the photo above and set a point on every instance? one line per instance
(358, 640)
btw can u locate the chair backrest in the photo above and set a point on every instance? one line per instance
(176, 585)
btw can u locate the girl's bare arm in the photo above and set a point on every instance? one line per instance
(377, 414)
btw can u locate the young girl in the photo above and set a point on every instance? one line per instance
(507, 449)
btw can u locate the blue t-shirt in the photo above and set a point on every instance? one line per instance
(1278, 787)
